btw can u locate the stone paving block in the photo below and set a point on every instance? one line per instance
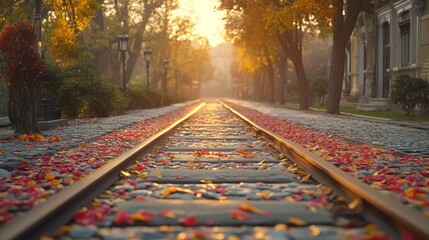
(274, 175)
(219, 212)
(221, 149)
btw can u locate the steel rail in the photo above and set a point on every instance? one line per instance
(59, 208)
(394, 217)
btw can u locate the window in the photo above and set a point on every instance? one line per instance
(404, 37)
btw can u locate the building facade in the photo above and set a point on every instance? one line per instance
(390, 41)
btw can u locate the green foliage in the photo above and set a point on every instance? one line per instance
(79, 91)
(144, 98)
(318, 87)
(141, 98)
(410, 92)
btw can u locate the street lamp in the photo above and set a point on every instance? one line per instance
(176, 70)
(38, 26)
(147, 54)
(166, 66)
(123, 47)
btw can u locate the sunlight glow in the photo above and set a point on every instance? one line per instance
(208, 20)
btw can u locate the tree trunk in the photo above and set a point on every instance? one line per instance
(303, 87)
(343, 26)
(282, 80)
(133, 56)
(270, 81)
(335, 84)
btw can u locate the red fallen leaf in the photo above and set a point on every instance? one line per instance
(198, 235)
(140, 198)
(140, 166)
(143, 216)
(189, 222)
(220, 190)
(239, 150)
(23, 165)
(180, 177)
(166, 212)
(164, 161)
(240, 215)
(123, 218)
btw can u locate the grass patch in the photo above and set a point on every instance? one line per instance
(382, 114)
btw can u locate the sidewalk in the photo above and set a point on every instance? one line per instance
(408, 137)
(424, 125)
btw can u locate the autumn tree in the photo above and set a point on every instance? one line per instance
(22, 74)
(256, 47)
(291, 23)
(344, 20)
(63, 23)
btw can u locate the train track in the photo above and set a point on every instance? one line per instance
(213, 175)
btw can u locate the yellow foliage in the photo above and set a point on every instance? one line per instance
(68, 19)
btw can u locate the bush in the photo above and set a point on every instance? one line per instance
(106, 100)
(318, 88)
(409, 92)
(144, 98)
(79, 91)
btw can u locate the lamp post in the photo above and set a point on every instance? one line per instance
(176, 71)
(123, 47)
(147, 54)
(166, 66)
(38, 26)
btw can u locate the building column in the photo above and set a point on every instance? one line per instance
(355, 91)
(370, 55)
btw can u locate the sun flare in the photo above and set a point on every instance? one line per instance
(208, 20)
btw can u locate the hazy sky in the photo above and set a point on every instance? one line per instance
(208, 20)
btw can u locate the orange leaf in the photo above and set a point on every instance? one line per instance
(297, 221)
(240, 215)
(169, 191)
(49, 176)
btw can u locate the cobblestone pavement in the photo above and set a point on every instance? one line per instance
(12, 152)
(406, 137)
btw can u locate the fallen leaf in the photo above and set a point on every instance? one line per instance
(240, 215)
(297, 221)
(158, 174)
(189, 222)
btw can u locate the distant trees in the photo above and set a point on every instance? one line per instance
(280, 29)
(270, 32)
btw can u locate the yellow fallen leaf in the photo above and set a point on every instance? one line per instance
(143, 175)
(305, 178)
(314, 231)
(327, 190)
(158, 175)
(312, 208)
(281, 227)
(265, 194)
(166, 228)
(249, 208)
(297, 221)
(207, 181)
(355, 203)
(124, 174)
